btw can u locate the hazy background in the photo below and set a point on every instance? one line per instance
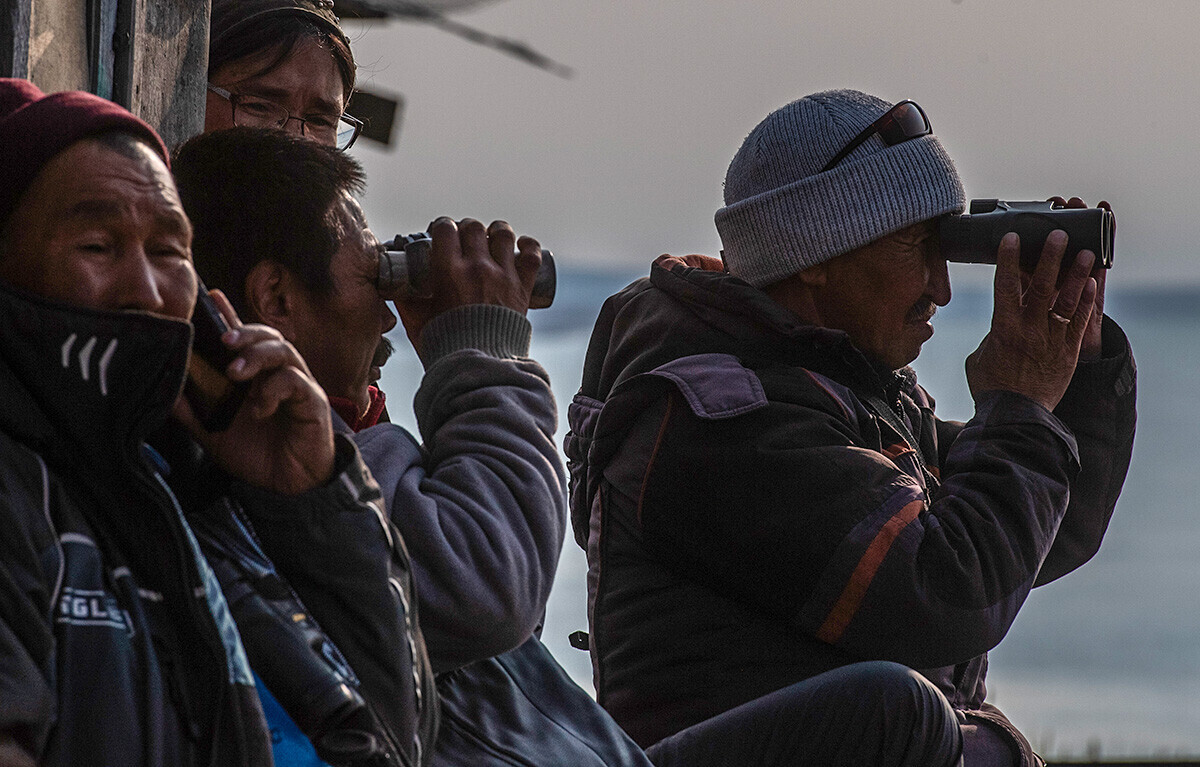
(625, 161)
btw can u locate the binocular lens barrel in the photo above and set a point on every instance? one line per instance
(974, 238)
(404, 271)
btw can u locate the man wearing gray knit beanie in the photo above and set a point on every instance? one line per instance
(765, 493)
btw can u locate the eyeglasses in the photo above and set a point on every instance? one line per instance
(341, 130)
(902, 122)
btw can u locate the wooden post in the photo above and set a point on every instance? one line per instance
(159, 54)
(15, 23)
(161, 64)
(45, 41)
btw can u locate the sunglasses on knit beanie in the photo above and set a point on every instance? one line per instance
(902, 122)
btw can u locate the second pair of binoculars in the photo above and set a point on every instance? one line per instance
(404, 270)
(974, 237)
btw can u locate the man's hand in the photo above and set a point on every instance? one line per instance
(1037, 329)
(282, 437)
(1090, 349)
(473, 265)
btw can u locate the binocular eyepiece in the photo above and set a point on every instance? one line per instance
(974, 237)
(404, 270)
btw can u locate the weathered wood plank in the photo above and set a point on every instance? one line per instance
(161, 64)
(50, 43)
(15, 24)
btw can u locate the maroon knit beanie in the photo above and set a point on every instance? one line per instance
(35, 127)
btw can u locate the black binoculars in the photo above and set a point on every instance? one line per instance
(404, 270)
(974, 237)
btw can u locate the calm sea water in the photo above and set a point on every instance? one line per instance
(1103, 662)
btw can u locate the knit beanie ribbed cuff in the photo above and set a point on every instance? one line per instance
(775, 234)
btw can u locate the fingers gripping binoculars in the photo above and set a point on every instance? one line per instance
(404, 270)
(974, 237)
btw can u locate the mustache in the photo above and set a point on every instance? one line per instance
(382, 352)
(922, 311)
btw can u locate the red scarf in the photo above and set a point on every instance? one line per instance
(348, 409)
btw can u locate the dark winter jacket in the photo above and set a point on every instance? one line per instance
(306, 576)
(117, 645)
(755, 515)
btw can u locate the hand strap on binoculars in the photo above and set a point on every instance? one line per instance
(881, 410)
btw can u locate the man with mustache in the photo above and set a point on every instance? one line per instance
(764, 492)
(480, 498)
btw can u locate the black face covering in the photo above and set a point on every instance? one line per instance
(85, 387)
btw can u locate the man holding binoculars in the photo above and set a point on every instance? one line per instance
(479, 500)
(764, 487)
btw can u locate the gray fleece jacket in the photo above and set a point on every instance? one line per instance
(481, 501)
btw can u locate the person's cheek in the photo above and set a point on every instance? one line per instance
(179, 285)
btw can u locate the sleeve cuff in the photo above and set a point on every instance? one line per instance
(344, 489)
(996, 407)
(494, 330)
(1115, 369)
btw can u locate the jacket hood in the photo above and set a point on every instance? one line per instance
(682, 309)
(84, 387)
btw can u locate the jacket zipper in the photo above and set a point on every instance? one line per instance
(158, 491)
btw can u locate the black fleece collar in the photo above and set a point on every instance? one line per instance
(84, 387)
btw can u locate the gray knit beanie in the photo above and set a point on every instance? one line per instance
(782, 215)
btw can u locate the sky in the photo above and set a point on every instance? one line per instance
(625, 160)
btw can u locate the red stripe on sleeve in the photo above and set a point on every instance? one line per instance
(848, 603)
(662, 430)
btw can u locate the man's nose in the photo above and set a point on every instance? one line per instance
(139, 286)
(389, 318)
(939, 281)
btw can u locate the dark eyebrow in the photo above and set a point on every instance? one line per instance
(279, 95)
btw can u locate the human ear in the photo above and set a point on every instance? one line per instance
(801, 292)
(270, 296)
(814, 276)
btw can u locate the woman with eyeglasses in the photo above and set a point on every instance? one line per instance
(282, 64)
